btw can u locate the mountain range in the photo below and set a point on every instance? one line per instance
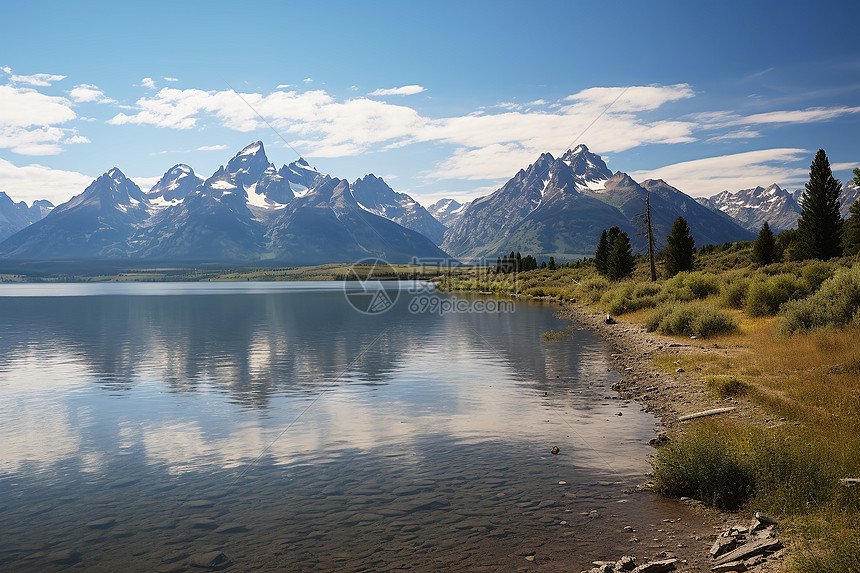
(248, 211)
(16, 216)
(251, 212)
(772, 204)
(558, 207)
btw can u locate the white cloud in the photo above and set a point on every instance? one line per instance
(6, 70)
(727, 119)
(32, 182)
(87, 93)
(212, 148)
(147, 83)
(844, 166)
(809, 115)
(323, 126)
(29, 119)
(705, 177)
(403, 90)
(283, 86)
(744, 133)
(42, 80)
(631, 98)
(308, 80)
(169, 79)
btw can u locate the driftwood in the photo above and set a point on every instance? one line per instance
(706, 413)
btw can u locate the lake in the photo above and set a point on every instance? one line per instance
(271, 426)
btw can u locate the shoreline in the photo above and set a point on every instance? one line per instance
(669, 396)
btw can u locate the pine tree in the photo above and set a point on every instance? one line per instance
(602, 254)
(543, 264)
(613, 234)
(819, 227)
(498, 265)
(856, 176)
(519, 264)
(551, 265)
(851, 230)
(620, 262)
(764, 247)
(681, 248)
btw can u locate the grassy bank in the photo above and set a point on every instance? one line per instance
(794, 333)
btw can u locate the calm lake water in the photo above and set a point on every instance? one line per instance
(262, 426)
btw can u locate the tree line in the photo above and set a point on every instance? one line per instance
(515, 263)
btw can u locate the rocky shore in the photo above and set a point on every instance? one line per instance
(675, 397)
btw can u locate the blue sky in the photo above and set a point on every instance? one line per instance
(442, 99)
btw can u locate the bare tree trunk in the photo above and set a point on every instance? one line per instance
(650, 236)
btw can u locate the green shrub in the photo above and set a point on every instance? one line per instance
(836, 303)
(765, 296)
(689, 286)
(629, 298)
(593, 288)
(728, 467)
(814, 274)
(727, 386)
(703, 466)
(734, 294)
(691, 319)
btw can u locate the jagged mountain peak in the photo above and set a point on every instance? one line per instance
(252, 149)
(176, 184)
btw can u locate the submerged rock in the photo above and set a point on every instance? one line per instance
(211, 560)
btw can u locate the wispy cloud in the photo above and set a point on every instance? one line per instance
(403, 90)
(39, 80)
(169, 79)
(148, 83)
(212, 148)
(87, 93)
(706, 177)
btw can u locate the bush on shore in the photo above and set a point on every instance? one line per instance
(690, 319)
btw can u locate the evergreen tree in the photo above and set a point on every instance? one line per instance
(543, 264)
(602, 253)
(856, 176)
(620, 262)
(498, 265)
(819, 227)
(851, 230)
(613, 234)
(519, 264)
(512, 262)
(551, 265)
(764, 247)
(680, 250)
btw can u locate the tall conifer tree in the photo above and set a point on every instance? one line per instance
(681, 248)
(764, 247)
(620, 263)
(819, 228)
(602, 253)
